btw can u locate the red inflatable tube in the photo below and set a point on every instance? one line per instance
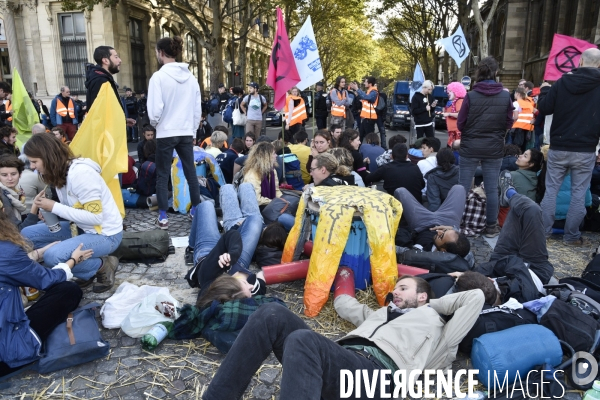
(344, 282)
(408, 270)
(286, 272)
(308, 247)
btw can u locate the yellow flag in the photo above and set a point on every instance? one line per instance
(24, 113)
(102, 137)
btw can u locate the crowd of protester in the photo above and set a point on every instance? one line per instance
(58, 211)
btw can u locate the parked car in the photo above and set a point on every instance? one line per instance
(273, 117)
(398, 114)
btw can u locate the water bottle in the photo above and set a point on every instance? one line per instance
(593, 393)
(155, 335)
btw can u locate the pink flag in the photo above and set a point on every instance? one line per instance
(564, 55)
(283, 74)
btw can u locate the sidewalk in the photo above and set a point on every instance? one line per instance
(183, 369)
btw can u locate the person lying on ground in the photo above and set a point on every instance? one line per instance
(408, 334)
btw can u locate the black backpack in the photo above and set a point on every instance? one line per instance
(147, 246)
(440, 283)
(584, 286)
(591, 272)
(571, 325)
(495, 319)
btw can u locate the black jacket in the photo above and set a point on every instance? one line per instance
(484, 117)
(332, 180)
(95, 77)
(266, 256)
(573, 100)
(11, 149)
(419, 111)
(320, 104)
(439, 183)
(398, 174)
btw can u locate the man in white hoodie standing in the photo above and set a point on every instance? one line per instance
(174, 109)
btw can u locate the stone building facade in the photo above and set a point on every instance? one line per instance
(50, 47)
(520, 35)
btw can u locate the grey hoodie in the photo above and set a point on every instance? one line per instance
(174, 104)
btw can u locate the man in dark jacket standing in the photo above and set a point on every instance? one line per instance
(108, 63)
(320, 106)
(573, 100)
(422, 108)
(399, 173)
(131, 105)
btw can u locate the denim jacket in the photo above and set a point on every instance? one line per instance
(19, 344)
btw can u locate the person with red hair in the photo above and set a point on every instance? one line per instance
(456, 94)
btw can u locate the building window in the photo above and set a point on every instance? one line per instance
(164, 32)
(73, 50)
(191, 54)
(138, 55)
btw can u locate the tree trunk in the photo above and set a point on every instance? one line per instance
(483, 26)
(463, 19)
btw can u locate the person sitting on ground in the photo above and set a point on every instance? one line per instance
(344, 171)
(302, 151)
(12, 194)
(525, 179)
(206, 143)
(129, 178)
(84, 199)
(399, 173)
(60, 134)
(217, 141)
(38, 128)
(259, 170)
(146, 181)
(249, 141)
(270, 246)
(441, 179)
(511, 153)
(31, 182)
(148, 133)
(384, 340)
(438, 228)
(204, 129)
(386, 157)
(8, 140)
(323, 169)
(227, 159)
(31, 328)
(335, 131)
(320, 143)
(350, 140)
(371, 149)
(429, 148)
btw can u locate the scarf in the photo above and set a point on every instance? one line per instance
(230, 316)
(17, 199)
(267, 186)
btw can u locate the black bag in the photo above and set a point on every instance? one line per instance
(568, 294)
(591, 272)
(570, 325)
(495, 319)
(584, 286)
(145, 246)
(287, 203)
(437, 261)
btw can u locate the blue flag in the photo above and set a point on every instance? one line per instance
(417, 82)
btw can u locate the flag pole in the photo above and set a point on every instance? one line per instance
(283, 143)
(313, 108)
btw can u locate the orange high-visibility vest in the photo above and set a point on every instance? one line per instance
(368, 109)
(338, 111)
(525, 116)
(299, 111)
(8, 108)
(62, 110)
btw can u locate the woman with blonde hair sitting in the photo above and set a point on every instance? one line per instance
(344, 170)
(259, 170)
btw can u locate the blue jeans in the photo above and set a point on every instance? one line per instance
(490, 169)
(164, 159)
(205, 232)
(40, 236)
(559, 164)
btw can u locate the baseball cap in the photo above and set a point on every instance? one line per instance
(221, 85)
(319, 84)
(253, 84)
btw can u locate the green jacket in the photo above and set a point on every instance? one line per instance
(525, 182)
(419, 339)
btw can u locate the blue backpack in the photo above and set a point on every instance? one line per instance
(228, 112)
(146, 183)
(293, 174)
(214, 104)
